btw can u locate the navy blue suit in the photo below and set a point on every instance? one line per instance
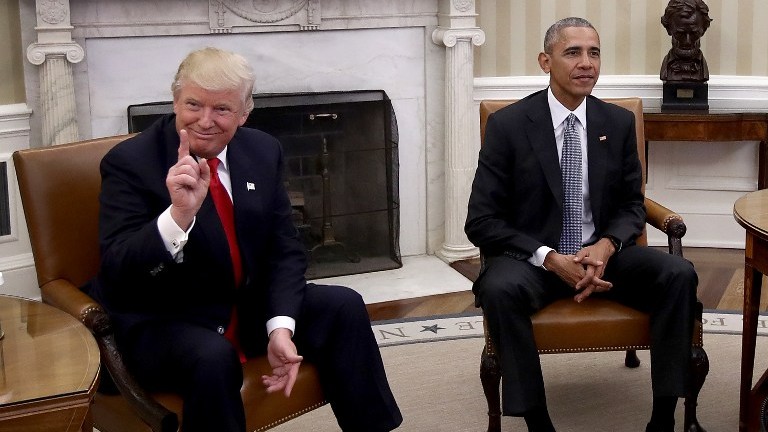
(516, 207)
(163, 310)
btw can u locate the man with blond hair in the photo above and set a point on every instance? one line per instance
(203, 268)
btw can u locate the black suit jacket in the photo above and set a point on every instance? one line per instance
(140, 281)
(516, 204)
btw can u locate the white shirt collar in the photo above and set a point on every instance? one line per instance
(560, 113)
(223, 159)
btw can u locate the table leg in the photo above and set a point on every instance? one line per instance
(752, 284)
(762, 170)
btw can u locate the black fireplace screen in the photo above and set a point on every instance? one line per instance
(341, 173)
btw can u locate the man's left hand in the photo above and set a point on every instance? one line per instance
(285, 362)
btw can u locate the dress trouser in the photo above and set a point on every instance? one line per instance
(664, 285)
(333, 332)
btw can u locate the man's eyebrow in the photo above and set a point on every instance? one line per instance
(580, 48)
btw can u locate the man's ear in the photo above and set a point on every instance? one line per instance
(544, 62)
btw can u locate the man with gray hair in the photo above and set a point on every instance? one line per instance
(556, 207)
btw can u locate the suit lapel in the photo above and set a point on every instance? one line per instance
(541, 135)
(597, 137)
(246, 187)
(246, 194)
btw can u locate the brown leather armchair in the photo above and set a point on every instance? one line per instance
(598, 324)
(59, 191)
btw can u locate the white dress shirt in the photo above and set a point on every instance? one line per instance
(559, 115)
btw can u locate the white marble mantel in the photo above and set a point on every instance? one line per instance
(131, 51)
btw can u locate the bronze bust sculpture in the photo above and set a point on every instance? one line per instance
(686, 21)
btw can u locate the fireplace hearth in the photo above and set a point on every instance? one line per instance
(341, 173)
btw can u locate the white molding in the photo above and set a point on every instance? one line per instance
(726, 92)
(14, 117)
(17, 262)
(731, 184)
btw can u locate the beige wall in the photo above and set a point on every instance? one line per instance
(633, 41)
(11, 66)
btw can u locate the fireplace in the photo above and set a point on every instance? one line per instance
(341, 172)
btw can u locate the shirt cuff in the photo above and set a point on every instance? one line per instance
(538, 257)
(173, 236)
(281, 321)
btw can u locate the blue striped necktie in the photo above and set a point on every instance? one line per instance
(573, 200)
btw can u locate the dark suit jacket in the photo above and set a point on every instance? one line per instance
(516, 205)
(140, 281)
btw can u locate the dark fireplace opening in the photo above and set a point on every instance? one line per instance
(341, 173)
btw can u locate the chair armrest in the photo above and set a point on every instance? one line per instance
(65, 296)
(62, 295)
(668, 222)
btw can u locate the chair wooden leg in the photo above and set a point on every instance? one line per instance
(490, 376)
(699, 371)
(631, 360)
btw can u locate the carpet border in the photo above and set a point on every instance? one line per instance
(467, 325)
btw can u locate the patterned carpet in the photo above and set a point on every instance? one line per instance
(438, 388)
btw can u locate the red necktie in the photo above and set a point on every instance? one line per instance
(226, 212)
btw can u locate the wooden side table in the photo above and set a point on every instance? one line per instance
(706, 126)
(751, 212)
(49, 368)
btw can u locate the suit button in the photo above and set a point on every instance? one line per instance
(220, 330)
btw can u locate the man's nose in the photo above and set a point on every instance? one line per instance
(585, 61)
(206, 117)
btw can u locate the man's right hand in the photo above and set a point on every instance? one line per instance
(187, 183)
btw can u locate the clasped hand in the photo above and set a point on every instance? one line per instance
(187, 182)
(584, 270)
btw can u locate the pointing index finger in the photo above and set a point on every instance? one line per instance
(183, 144)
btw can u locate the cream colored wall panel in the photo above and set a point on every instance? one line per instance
(634, 41)
(744, 32)
(759, 39)
(608, 22)
(728, 19)
(637, 42)
(495, 41)
(579, 7)
(661, 40)
(517, 43)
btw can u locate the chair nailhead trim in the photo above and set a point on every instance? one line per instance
(85, 313)
(286, 418)
(669, 219)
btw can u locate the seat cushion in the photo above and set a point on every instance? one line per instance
(111, 413)
(593, 325)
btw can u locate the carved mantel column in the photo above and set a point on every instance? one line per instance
(457, 31)
(55, 52)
